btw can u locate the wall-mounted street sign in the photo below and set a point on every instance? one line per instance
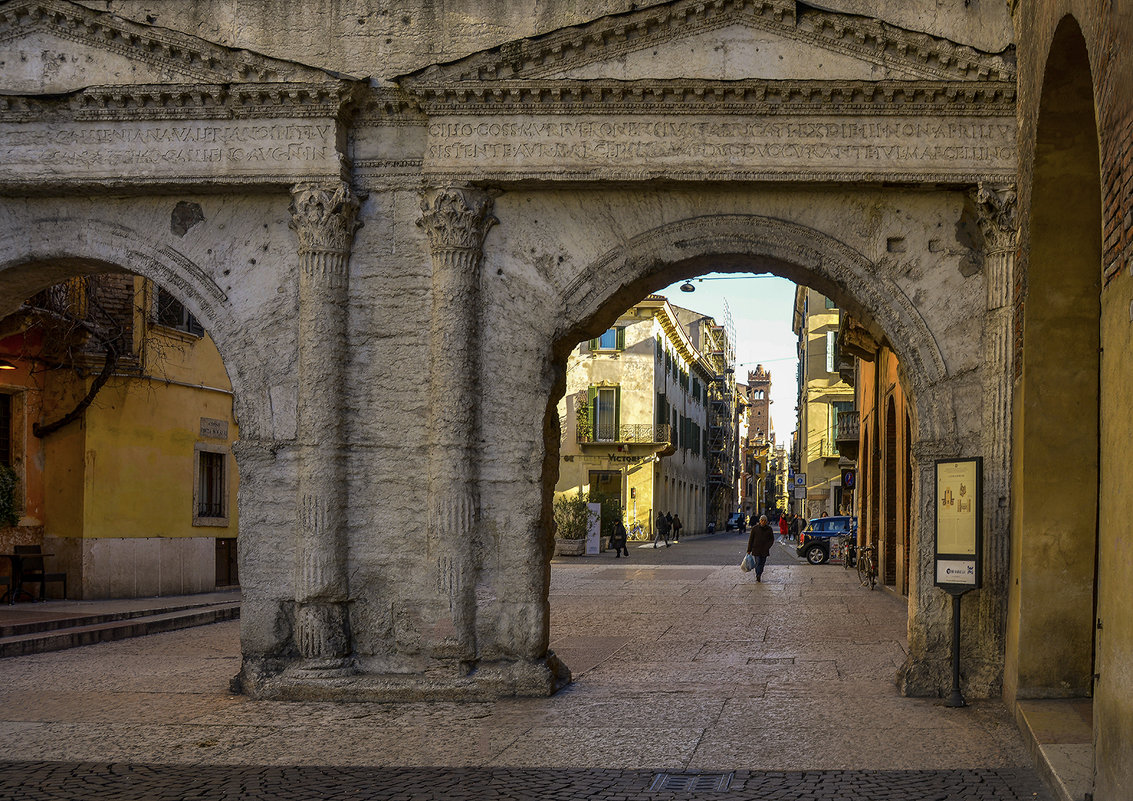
(959, 516)
(848, 479)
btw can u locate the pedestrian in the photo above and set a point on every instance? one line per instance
(784, 527)
(618, 539)
(662, 531)
(677, 526)
(796, 523)
(759, 544)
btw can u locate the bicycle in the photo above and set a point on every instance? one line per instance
(847, 549)
(867, 566)
(636, 532)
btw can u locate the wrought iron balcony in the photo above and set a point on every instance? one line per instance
(647, 433)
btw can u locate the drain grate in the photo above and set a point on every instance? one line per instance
(691, 782)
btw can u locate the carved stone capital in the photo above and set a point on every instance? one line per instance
(456, 218)
(997, 210)
(324, 217)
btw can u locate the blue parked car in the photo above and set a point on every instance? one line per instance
(814, 541)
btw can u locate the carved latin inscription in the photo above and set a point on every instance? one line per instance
(168, 149)
(736, 145)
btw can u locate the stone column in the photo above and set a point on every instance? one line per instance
(996, 207)
(456, 220)
(324, 218)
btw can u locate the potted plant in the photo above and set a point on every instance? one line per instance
(572, 519)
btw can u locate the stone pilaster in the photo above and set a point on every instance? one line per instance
(324, 219)
(456, 220)
(996, 206)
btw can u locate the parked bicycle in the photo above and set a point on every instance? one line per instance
(637, 532)
(847, 549)
(867, 566)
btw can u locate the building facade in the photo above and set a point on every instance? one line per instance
(823, 395)
(634, 419)
(119, 428)
(874, 440)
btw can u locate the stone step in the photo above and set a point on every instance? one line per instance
(11, 629)
(89, 630)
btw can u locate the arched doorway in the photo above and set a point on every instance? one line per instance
(1050, 644)
(889, 548)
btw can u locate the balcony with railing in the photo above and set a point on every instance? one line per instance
(632, 433)
(849, 426)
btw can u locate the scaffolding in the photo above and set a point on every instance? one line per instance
(723, 467)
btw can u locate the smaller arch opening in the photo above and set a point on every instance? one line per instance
(120, 429)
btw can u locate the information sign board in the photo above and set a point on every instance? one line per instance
(594, 530)
(958, 522)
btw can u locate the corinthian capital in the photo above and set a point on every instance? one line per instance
(456, 218)
(997, 207)
(324, 217)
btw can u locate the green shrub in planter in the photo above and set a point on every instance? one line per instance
(572, 517)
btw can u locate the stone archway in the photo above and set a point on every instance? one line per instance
(1051, 641)
(754, 243)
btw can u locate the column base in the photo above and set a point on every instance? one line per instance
(488, 681)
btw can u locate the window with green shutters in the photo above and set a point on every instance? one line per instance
(612, 339)
(605, 412)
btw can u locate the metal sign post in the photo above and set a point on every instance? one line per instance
(958, 535)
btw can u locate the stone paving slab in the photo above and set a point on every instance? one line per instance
(790, 680)
(52, 781)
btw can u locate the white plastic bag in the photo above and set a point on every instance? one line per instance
(748, 563)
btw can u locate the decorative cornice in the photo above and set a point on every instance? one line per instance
(456, 218)
(184, 101)
(324, 217)
(997, 212)
(197, 59)
(703, 96)
(915, 54)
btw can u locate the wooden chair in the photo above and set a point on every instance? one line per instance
(32, 571)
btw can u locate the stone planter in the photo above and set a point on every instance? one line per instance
(570, 547)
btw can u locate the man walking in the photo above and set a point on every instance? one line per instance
(618, 539)
(662, 530)
(759, 544)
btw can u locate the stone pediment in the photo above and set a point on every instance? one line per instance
(744, 40)
(57, 47)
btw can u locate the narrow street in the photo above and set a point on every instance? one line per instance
(682, 663)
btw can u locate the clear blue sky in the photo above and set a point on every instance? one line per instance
(761, 310)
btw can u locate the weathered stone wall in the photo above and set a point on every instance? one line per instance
(364, 38)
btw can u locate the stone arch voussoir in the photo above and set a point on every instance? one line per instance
(80, 245)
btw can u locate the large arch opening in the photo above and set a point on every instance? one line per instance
(1050, 645)
(597, 299)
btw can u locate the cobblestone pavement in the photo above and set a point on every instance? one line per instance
(682, 663)
(44, 781)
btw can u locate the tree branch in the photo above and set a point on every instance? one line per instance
(108, 366)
